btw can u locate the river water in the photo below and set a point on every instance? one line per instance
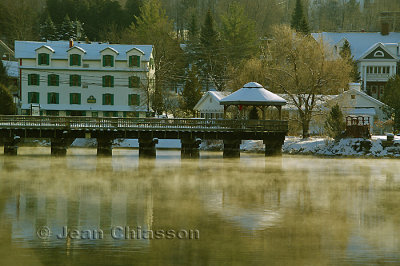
(212, 211)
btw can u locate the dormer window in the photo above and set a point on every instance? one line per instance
(74, 60)
(43, 59)
(379, 54)
(134, 61)
(108, 61)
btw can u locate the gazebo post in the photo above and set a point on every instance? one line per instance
(263, 113)
(280, 111)
(225, 107)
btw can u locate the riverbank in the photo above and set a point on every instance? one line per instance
(352, 147)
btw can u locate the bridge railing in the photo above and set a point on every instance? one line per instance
(141, 123)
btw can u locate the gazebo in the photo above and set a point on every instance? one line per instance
(253, 94)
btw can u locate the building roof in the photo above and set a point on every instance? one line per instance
(217, 95)
(360, 42)
(26, 49)
(11, 68)
(253, 93)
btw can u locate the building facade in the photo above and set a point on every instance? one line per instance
(85, 79)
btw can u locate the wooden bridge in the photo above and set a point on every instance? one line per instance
(62, 131)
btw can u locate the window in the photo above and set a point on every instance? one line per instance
(133, 99)
(74, 60)
(110, 114)
(33, 79)
(108, 81)
(33, 97)
(52, 113)
(74, 80)
(75, 98)
(52, 80)
(353, 97)
(134, 82)
(379, 54)
(108, 99)
(52, 98)
(134, 61)
(43, 59)
(108, 61)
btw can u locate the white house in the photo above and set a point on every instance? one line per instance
(377, 55)
(209, 105)
(85, 79)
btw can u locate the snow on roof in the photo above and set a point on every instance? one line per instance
(77, 47)
(361, 111)
(26, 49)
(11, 68)
(217, 95)
(253, 93)
(360, 42)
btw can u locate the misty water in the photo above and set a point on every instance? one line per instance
(249, 211)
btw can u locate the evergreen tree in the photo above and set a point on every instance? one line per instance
(391, 97)
(345, 53)
(210, 60)
(191, 93)
(7, 106)
(67, 29)
(193, 29)
(238, 34)
(299, 21)
(335, 123)
(4, 79)
(48, 30)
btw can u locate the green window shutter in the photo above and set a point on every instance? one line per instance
(130, 82)
(138, 61)
(136, 114)
(70, 98)
(57, 98)
(79, 80)
(79, 59)
(30, 79)
(79, 98)
(130, 61)
(37, 97)
(124, 114)
(47, 59)
(104, 60)
(115, 114)
(112, 61)
(49, 97)
(29, 97)
(130, 99)
(39, 59)
(57, 80)
(68, 113)
(104, 99)
(112, 81)
(137, 99)
(104, 81)
(112, 99)
(71, 80)
(38, 79)
(71, 57)
(48, 80)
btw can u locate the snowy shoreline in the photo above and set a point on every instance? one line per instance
(316, 146)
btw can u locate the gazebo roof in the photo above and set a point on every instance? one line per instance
(253, 94)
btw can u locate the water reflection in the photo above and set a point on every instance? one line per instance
(252, 210)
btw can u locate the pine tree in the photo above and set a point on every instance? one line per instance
(335, 123)
(4, 79)
(193, 28)
(391, 97)
(48, 30)
(191, 93)
(6, 101)
(67, 29)
(345, 53)
(299, 21)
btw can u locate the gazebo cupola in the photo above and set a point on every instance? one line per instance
(255, 95)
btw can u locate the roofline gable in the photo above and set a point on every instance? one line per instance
(137, 49)
(77, 47)
(361, 93)
(112, 49)
(47, 47)
(373, 47)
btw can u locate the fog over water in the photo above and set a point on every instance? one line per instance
(289, 210)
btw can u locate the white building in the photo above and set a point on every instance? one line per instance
(85, 79)
(209, 105)
(377, 56)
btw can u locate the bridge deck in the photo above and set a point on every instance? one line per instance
(141, 124)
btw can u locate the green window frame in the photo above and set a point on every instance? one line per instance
(108, 81)
(134, 61)
(108, 61)
(108, 99)
(33, 79)
(75, 98)
(53, 98)
(74, 59)
(74, 80)
(53, 80)
(133, 99)
(44, 59)
(134, 82)
(33, 97)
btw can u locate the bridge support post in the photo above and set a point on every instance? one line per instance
(59, 146)
(232, 148)
(147, 147)
(273, 147)
(190, 148)
(11, 145)
(104, 146)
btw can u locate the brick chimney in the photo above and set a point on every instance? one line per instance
(384, 28)
(71, 43)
